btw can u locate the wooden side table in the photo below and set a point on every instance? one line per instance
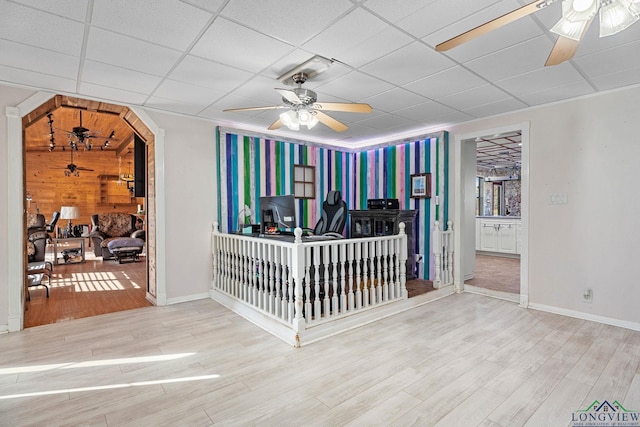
(80, 246)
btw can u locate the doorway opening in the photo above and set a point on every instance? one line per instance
(110, 176)
(493, 220)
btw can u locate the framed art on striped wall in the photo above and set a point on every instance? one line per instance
(421, 186)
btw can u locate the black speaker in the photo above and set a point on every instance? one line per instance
(139, 167)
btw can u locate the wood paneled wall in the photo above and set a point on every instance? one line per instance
(50, 189)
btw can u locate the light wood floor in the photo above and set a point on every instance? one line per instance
(498, 273)
(466, 360)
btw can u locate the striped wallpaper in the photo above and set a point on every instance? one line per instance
(250, 167)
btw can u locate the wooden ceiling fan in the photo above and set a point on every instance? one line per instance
(577, 15)
(304, 110)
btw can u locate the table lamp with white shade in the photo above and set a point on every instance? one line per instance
(69, 212)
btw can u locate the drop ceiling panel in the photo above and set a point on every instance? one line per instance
(377, 46)
(282, 18)
(539, 80)
(498, 107)
(33, 79)
(451, 80)
(210, 5)
(618, 79)
(598, 64)
(210, 74)
(395, 11)
(40, 29)
(127, 52)
(475, 97)
(421, 112)
(111, 94)
(408, 64)
(72, 9)
(190, 107)
(558, 93)
(119, 78)
(33, 58)
(239, 46)
(170, 23)
(355, 86)
(179, 91)
(394, 99)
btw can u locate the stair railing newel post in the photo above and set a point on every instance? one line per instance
(450, 252)
(403, 260)
(437, 255)
(297, 266)
(214, 254)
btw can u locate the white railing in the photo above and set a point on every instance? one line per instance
(443, 255)
(305, 283)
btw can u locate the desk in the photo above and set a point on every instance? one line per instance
(80, 246)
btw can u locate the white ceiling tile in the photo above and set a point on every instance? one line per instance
(190, 108)
(540, 80)
(286, 20)
(239, 46)
(349, 31)
(618, 79)
(117, 77)
(210, 5)
(38, 80)
(451, 80)
(40, 29)
(355, 86)
(231, 101)
(407, 64)
(260, 90)
(439, 14)
(422, 112)
(598, 64)
(395, 11)
(170, 23)
(517, 59)
(210, 74)
(33, 58)
(558, 93)
(394, 99)
(477, 96)
(374, 47)
(72, 9)
(127, 52)
(385, 121)
(498, 107)
(111, 94)
(179, 91)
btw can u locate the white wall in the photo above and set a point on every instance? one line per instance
(190, 195)
(587, 149)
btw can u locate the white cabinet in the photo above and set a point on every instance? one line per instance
(498, 235)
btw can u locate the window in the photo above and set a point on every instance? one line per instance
(304, 182)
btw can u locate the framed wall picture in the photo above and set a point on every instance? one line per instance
(421, 186)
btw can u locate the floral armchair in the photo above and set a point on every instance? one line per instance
(110, 226)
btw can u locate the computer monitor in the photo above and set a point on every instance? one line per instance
(277, 213)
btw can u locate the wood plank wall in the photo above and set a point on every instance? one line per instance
(50, 188)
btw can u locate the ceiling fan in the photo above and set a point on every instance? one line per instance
(72, 168)
(577, 15)
(80, 135)
(304, 110)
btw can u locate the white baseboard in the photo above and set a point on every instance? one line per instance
(4, 329)
(187, 298)
(507, 296)
(586, 316)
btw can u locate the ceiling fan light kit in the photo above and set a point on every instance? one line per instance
(577, 15)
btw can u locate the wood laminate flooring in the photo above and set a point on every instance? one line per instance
(87, 289)
(465, 359)
(497, 273)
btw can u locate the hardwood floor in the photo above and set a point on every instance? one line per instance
(464, 359)
(87, 289)
(497, 273)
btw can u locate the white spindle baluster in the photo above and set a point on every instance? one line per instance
(450, 252)
(268, 292)
(385, 270)
(326, 261)
(396, 269)
(352, 271)
(343, 279)
(437, 254)
(358, 263)
(403, 260)
(373, 272)
(214, 255)
(335, 279)
(277, 281)
(307, 284)
(316, 267)
(380, 272)
(366, 262)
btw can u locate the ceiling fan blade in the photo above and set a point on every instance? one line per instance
(289, 95)
(80, 168)
(275, 125)
(491, 25)
(342, 106)
(565, 48)
(272, 107)
(331, 122)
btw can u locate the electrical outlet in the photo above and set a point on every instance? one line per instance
(587, 295)
(419, 258)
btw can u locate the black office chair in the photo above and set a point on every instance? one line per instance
(51, 227)
(334, 216)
